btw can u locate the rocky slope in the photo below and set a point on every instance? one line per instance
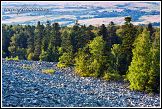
(23, 87)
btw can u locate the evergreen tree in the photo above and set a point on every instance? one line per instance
(151, 30)
(75, 37)
(66, 44)
(45, 51)
(65, 50)
(115, 51)
(138, 73)
(66, 59)
(30, 39)
(112, 36)
(13, 45)
(103, 32)
(90, 60)
(139, 30)
(55, 35)
(44, 56)
(38, 40)
(55, 43)
(18, 45)
(127, 34)
(30, 42)
(46, 36)
(96, 48)
(154, 73)
(82, 62)
(5, 40)
(107, 55)
(89, 33)
(128, 20)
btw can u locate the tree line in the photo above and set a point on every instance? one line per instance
(112, 52)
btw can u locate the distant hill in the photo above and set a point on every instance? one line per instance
(94, 13)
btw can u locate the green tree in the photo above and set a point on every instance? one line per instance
(90, 59)
(44, 56)
(5, 40)
(127, 33)
(54, 43)
(139, 29)
(38, 40)
(128, 20)
(76, 37)
(151, 30)
(55, 35)
(138, 72)
(66, 58)
(13, 45)
(89, 33)
(112, 36)
(103, 32)
(154, 73)
(66, 44)
(96, 48)
(46, 36)
(115, 51)
(82, 62)
(18, 45)
(30, 41)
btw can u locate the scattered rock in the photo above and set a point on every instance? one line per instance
(31, 88)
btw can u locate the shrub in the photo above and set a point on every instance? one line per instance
(111, 76)
(13, 59)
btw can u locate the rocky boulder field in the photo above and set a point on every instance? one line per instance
(29, 87)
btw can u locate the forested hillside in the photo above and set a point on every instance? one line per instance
(111, 52)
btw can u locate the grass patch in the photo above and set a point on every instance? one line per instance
(12, 58)
(26, 67)
(48, 71)
(88, 74)
(60, 65)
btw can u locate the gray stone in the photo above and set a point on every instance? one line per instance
(32, 88)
